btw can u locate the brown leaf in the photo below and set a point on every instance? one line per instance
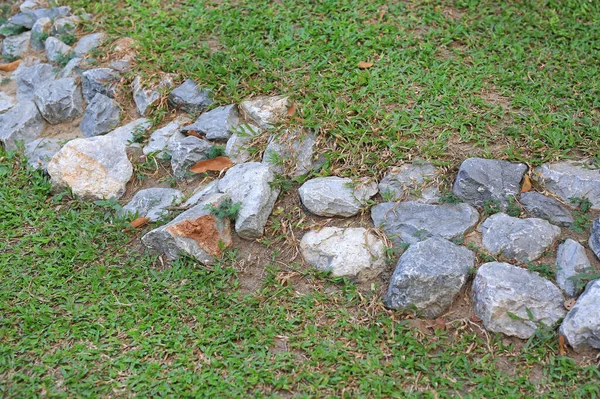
(475, 319)
(291, 110)
(562, 345)
(526, 184)
(11, 66)
(217, 164)
(440, 324)
(364, 65)
(139, 222)
(194, 133)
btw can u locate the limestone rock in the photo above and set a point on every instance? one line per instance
(16, 46)
(336, 196)
(190, 98)
(6, 102)
(89, 42)
(291, 153)
(21, 123)
(186, 152)
(123, 54)
(55, 49)
(75, 67)
(265, 110)
(99, 80)
(571, 179)
(126, 134)
(571, 260)
(96, 167)
(237, 145)
(216, 124)
(101, 116)
(146, 97)
(202, 193)
(351, 252)
(40, 151)
(159, 139)
(152, 203)
(594, 240)
(65, 26)
(29, 17)
(581, 327)
(413, 182)
(31, 78)
(59, 100)
(504, 294)
(547, 208)
(429, 276)
(40, 29)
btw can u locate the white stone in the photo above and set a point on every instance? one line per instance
(336, 196)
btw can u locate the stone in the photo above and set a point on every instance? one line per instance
(146, 97)
(196, 232)
(29, 5)
(291, 153)
(30, 78)
(265, 111)
(521, 239)
(237, 145)
(22, 123)
(336, 196)
(65, 26)
(594, 241)
(351, 252)
(203, 192)
(410, 222)
(504, 296)
(571, 260)
(59, 101)
(55, 49)
(126, 134)
(89, 42)
(216, 124)
(581, 326)
(123, 54)
(39, 33)
(95, 167)
(481, 180)
(74, 68)
(99, 80)
(186, 152)
(29, 17)
(547, 208)
(102, 115)
(411, 182)
(16, 46)
(152, 203)
(571, 179)
(250, 184)
(6, 102)
(40, 151)
(190, 98)
(159, 139)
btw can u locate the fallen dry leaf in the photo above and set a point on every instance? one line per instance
(11, 66)
(194, 133)
(475, 319)
(364, 65)
(216, 164)
(526, 184)
(291, 110)
(569, 303)
(139, 222)
(562, 345)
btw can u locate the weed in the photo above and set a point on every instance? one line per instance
(513, 208)
(11, 30)
(68, 38)
(225, 210)
(63, 59)
(581, 215)
(491, 206)
(582, 279)
(216, 151)
(448, 197)
(542, 269)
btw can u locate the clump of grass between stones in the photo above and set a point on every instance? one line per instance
(225, 210)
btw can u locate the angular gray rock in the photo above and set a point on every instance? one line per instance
(146, 97)
(581, 326)
(190, 98)
(547, 208)
(336, 196)
(16, 46)
(411, 222)
(351, 252)
(29, 17)
(31, 78)
(196, 232)
(264, 111)
(75, 67)
(29, 5)
(22, 123)
(152, 203)
(186, 152)
(480, 180)
(429, 276)
(40, 151)
(571, 260)
(503, 295)
(412, 182)
(571, 179)
(89, 42)
(237, 145)
(291, 153)
(159, 139)
(6, 102)
(59, 100)
(99, 80)
(126, 134)
(55, 49)
(594, 240)
(202, 192)
(102, 115)
(216, 124)
(39, 33)
(96, 167)
(514, 238)
(65, 26)
(251, 185)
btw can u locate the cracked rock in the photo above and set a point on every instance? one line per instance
(22, 123)
(216, 124)
(146, 97)
(126, 134)
(40, 29)
(89, 42)
(59, 101)
(16, 46)
(102, 115)
(190, 98)
(291, 153)
(159, 139)
(99, 80)
(547, 208)
(74, 68)
(265, 110)
(571, 179)
(412, 182)
(40, 151)
(594, 240)
(202, 192)
(581, 327)
(31, 78)
(6, 102)
(186, 152)
(571, 260)
(55, 49)
(336, 196)
(152, 203)
(237, 145)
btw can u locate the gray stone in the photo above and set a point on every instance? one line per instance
(203, 192)
(89, 42)
(265, 111)
(29, 79)
(6, 102)
(351, 252)
(59, 100)
(571, 260)
(22, 123)
(412, 182)
(65, 26)
(216, 124)
(123, 54)
(74, 68)
(29, 17)
(99, 80)
(547, 208)
(336, 196)
(480, 180)
(429, 276)
(190, 98)
(504, 295)
(159, 139)
(196, 232)
(410, 222)
(16, 46)
(514, 238)
(186, 152)
(594, 240)
(29, 5)
(55, 49)
(291, 153)
(126, 133)
(146, 97)
(581, 326)
(40, 151)
(152, 203)
(39, 33)
(571, 179)
(95, 167)
(102, 115)
(237, 145)
(250, 184)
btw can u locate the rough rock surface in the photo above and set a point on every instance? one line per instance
(123, 54)
(571, 179)
(126, 133)
(59, 100)
(581, 326)
(159, 139)
(99, 80)
(237, 145)
(202, 192)
(96, 167)
(56, 49)
(21, 123)
(336, 196)
(6, 102)
(428, 276)
(152, 203)
(291, 153)
(413, 182)
(480, 180)
(594, 240)
(504, 294)
(16, 46)
(101, 116)
(28, 17)
(40, 151)
(89, 42)
(186, 152)
(411, 222)
(216, 124)
(146, 97)
(196, 232)
(31, 78)
(351, 252)
(571, 260)
(547, 208)
(265, 110)
(65, 26)
(514, 238)
(190, 98)
(75, 67)
(40, 28)
(250, 184)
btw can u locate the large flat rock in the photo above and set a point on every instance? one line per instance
(59, 100)
(22, 123)
(581, 326)
(571, 179)
(152, 203)
(336, 196)
(411, 182)
(265, 111)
